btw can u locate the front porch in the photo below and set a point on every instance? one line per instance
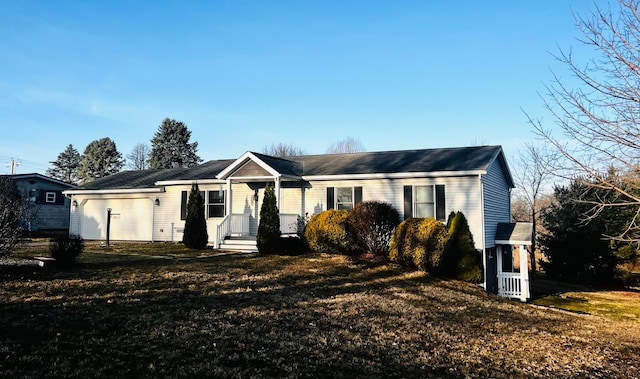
(512, 270)
(246, 180)
(235, 231)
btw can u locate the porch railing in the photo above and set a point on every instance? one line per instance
(237, 224)
(288, 223)
(232, 224)
(511, 284)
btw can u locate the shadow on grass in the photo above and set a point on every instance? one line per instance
(252, 316)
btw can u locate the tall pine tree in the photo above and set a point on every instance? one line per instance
(195, 226)
(65, 167)
(268, 238)
(170, 147)
(100, 158)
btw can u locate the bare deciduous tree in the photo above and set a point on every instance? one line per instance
(532, 179)
(14, 209)
(138, 158)
(347, 145)
(600, 120)
(283, 150)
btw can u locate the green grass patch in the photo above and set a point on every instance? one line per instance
(617, 305)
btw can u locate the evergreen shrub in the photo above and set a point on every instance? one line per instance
(419, 243)
(461, 260)
(326, 232)
(66, 249)
(268, 238)
(371, 225)
(195, 226)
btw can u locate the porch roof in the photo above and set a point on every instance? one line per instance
(517, 233)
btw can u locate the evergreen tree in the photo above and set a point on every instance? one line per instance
(100, 158)
(195, 226)
(461, 260)
(268, 238)
(65, 167)
(575, 248)
(170, 147)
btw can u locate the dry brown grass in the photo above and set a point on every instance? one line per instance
(245, 316)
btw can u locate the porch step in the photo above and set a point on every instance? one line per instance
(241, 244)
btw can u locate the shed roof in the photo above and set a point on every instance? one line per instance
(516, 233)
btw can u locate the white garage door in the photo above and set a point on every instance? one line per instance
(130, 219)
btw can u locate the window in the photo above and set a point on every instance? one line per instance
(343, 197)
(216, 204)
(425, 201)
(184, 198)
(183, 205)
(50, 197)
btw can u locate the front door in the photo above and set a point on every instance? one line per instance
(492, 270)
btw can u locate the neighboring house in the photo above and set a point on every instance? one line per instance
(151, 205)
(49, 206)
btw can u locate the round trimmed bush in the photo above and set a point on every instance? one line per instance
(371, 225)
(326, 232)
(419, 243)
(66, 249)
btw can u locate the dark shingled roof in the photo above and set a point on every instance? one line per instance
(148, 178)
(385, 162)
(519, 231)
(286, 166)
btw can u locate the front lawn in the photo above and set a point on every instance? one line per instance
(193, 314)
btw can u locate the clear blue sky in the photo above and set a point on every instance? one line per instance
(245, 74)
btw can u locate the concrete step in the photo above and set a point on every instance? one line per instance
(242, 244)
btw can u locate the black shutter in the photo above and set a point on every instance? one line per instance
(440, 203)
(357, 195)
(41, 197)
(330, 198)
(408, 202)
(59, 198)
(183, 206)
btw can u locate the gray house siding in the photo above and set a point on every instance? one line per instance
(51, 208)
(497, 201)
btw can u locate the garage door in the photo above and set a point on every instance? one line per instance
(130, 219)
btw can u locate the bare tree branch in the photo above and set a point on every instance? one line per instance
(599, 121)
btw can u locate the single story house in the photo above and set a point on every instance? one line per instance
(150, 205)
(50, 209)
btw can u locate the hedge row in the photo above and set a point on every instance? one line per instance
(422, 243)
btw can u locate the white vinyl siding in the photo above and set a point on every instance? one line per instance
(462, 194)
(131, 219)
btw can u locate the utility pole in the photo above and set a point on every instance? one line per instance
(12, 166)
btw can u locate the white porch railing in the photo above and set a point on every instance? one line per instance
(237, 224)
(288, 223)
(513, 285)
(233, 224)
